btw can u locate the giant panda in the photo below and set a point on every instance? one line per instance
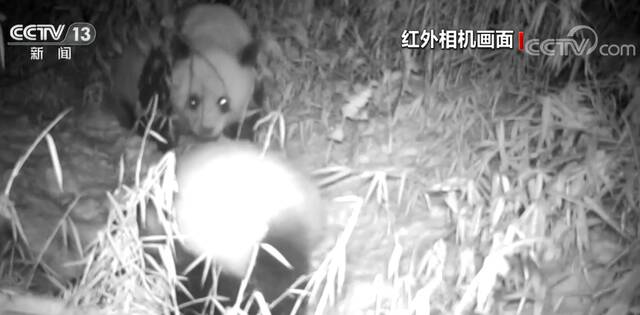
(202, 67)
(213, 77)
(230, 199)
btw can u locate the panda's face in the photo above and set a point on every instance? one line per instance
(199, 97)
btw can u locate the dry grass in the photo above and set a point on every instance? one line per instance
(476, 186)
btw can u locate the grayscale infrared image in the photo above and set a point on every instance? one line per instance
(312, 157)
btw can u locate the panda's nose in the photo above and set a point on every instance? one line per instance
(206, 131)
(208, 134)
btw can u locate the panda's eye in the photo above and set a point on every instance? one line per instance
(223, 103)
(193, 102)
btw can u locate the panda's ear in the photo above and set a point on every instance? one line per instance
(179, 47)
(248, 56)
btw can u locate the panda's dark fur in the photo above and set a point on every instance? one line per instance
(153, 82)
(198, 35)
(229, 199)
